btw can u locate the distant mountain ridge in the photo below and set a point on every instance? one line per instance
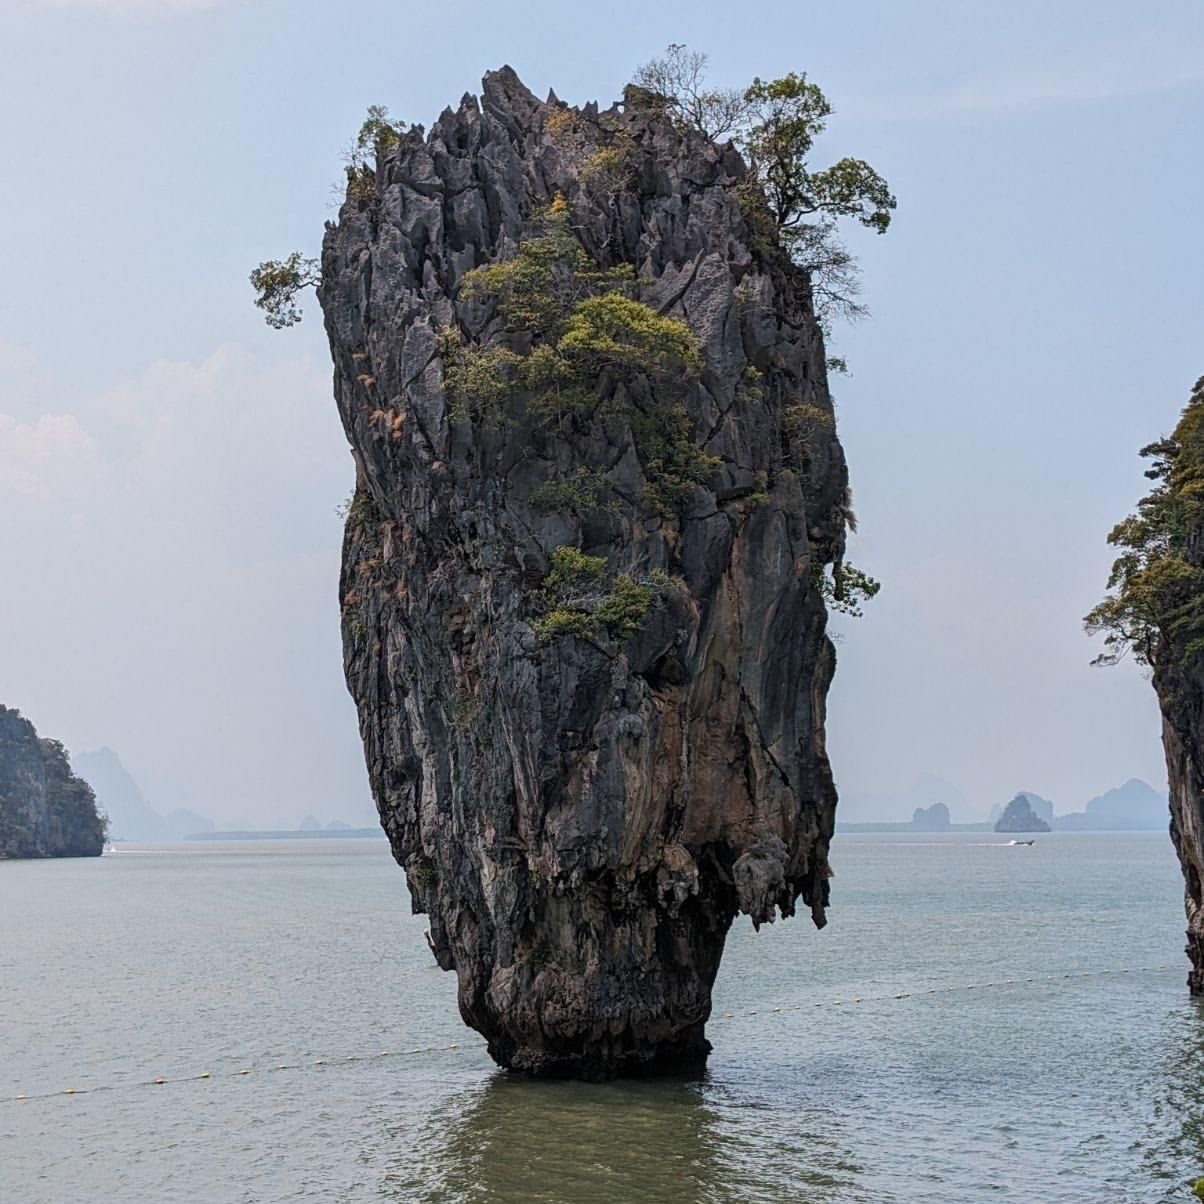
(1134, 807)
(131, 817)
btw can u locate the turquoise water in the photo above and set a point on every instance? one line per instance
(178, 961)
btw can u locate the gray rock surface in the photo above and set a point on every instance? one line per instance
(1181, 695)
(45, 810)
(582, 819)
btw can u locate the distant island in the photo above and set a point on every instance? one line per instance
(334, 830)
(1134, 807)
(934, 818)
(1019, 816)
(45, 810)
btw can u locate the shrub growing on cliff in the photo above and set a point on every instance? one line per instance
(1156, 591)
(847, 589)
(278, 281)
(774, 123)
(580, 602)
(678, 79)
(378, 135)
(575, 333)
(582, 492)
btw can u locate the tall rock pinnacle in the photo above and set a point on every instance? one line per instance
(583, 620)
(1155, 611)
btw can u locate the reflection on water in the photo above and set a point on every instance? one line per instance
(663, 1142)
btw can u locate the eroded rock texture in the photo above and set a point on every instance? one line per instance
(1181, 694)
(582, 818)
(45, 810)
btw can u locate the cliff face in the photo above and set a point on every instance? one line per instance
(45, 810)
(1155, 610)
(1181, 696)
(583, 806)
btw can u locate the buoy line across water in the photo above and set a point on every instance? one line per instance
(456, 1046)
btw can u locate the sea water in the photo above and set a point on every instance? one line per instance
(977, 1022)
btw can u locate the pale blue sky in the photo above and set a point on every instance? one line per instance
(169, 467)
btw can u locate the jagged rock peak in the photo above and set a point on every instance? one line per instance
(582, 618)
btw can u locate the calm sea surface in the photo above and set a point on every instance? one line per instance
(1077, 1076)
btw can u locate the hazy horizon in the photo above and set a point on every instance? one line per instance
(170, 468)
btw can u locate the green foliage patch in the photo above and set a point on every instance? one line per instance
(788, 203)
(582, 492)
(581, 602)
(847, 589)
(277, 282)
(1155, 591)
(574, 335)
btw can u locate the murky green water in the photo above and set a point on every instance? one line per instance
(217, 959)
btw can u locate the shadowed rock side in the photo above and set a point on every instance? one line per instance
(1181, 695)
(45, 810)
(582, 816)
(1178, 664)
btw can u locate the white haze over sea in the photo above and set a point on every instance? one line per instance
(170, 469)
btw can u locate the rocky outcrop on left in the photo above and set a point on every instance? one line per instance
(45, 810)
(1019, 816)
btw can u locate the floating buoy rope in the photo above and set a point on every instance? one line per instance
(456, 1046)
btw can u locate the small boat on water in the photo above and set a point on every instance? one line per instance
(1014, 842)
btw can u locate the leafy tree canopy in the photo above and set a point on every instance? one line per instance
(1155, 601)
(775, 124)
(278, 281)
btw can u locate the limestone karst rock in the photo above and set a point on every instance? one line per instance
(582, 806)
(1178, 662)
(1180, 690)
(45, 810)
(1019, 816)
(1155, 611)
